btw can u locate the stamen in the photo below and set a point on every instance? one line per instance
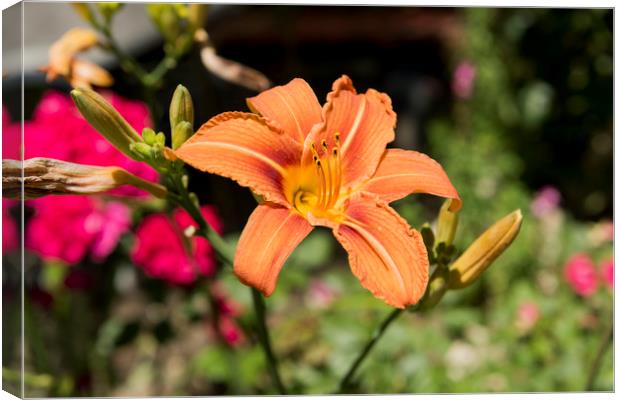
(321, 195)
(335, 189)
(329, 178)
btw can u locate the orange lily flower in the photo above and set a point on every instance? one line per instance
(63, 61)
(326, 167)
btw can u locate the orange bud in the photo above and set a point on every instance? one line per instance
(481, 254)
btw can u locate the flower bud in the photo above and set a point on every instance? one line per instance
(181, 108)
(181, 132)
(141, 151)
(47, 176)
(447, 223)
(479, 256)
(106, 120)
(149, 136)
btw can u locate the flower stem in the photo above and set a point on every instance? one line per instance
(346, 381)
(263, 336)
(226, 253)
(598, 359)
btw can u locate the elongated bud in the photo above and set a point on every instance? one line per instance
(447, 223)
(181, 132)
(479, 256)
(106, 120)
(181, 108)
(47, 176)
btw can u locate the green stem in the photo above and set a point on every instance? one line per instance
(598, 359)
(226, 254)
(263, 336)
(346, 381)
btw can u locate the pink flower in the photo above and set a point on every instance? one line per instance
(607, 272)
(10, 236)
(229, 330)
(581, 275)
(546, 200)
(59, 131)
(527, 316)
(68, 227)
(463, 80)
(160, 251)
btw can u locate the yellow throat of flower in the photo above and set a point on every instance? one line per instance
(315, 188)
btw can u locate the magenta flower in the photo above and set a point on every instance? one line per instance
(229, 330)
(607, 272)
(66, 228)
(581, 274)
(545, 201)
(59, 131)
(463, 80)
(160, 251)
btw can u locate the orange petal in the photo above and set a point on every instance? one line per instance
(365, 123)
(269, 237)
(294, 107)
(386, 255)
(243, 147)
(402, 172)
(91, 73)
(71, 43)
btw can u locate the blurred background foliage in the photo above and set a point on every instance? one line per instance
(537, 113)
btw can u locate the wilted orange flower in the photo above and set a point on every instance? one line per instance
(63, 61)
(327, 167)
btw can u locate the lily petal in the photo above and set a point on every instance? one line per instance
(365, 123)
(245, 148)
(269, 237)
(294, 107)
(402, 172)
(386, 255)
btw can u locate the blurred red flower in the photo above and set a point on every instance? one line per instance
(68, 227)
(581, 274)
(607, 272)
(161, 252)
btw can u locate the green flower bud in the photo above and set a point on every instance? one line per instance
(481, 254)
(149, 137)
(106, 120)
(181, 132)
(160, 139)
(141, 151)
(181, 108)
(447, 223)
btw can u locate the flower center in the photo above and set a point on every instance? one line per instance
(316, 187)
